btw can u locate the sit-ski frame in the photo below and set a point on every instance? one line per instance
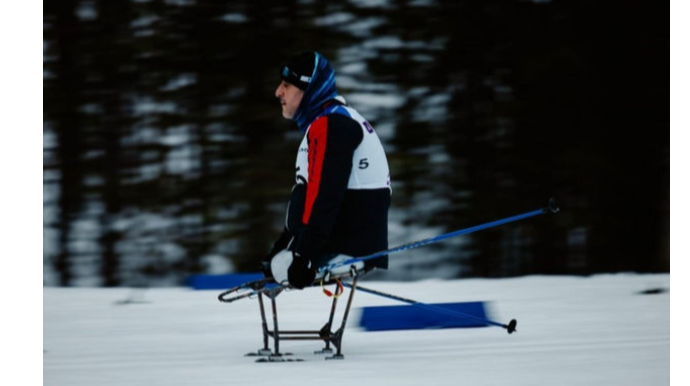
(325, 334)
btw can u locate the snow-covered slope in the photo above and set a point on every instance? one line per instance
(598, 330)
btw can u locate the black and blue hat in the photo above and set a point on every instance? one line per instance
(299, 71)
(312, 73)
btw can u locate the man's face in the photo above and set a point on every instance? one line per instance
(290, 97)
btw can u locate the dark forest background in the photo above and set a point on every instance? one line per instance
(165, 153)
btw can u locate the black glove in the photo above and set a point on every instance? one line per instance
(301, 272)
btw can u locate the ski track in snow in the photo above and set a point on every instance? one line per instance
(571, 331)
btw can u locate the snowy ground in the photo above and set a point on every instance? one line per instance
(571, 331)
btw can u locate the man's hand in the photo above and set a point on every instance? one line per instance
(301, 272)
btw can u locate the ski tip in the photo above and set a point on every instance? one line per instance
(511, 326)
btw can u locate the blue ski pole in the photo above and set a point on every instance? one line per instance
(550, 208)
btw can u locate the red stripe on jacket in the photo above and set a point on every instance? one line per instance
(318, 136)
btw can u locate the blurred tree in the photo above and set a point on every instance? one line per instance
(171, 156)
(62, 101)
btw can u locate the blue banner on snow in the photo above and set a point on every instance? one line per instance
(208, 282)
(411, 317)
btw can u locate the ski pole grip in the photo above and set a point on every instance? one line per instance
(551, 207)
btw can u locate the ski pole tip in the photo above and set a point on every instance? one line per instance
(511, 326)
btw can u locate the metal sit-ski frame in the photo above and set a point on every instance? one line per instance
(325, 333)
(271, 290)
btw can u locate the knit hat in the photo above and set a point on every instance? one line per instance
(313, 74)
(299, 70)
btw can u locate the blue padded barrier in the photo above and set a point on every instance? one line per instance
(411, 317)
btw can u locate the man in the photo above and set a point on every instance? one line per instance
(340, 202)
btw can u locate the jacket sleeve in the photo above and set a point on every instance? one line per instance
(332, 143)
(280, 244)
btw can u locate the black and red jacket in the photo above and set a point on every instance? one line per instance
(340, 202)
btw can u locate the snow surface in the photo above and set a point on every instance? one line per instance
(597, 330)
